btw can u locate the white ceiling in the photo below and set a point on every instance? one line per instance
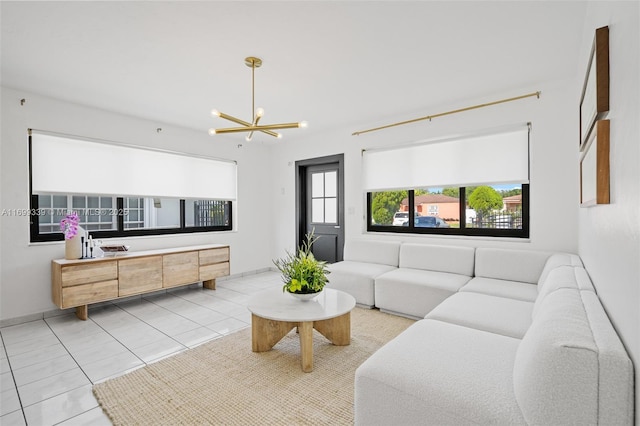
(332, 63)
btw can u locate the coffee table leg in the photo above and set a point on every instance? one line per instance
(266, 333)
(306, 345)
(337, 330)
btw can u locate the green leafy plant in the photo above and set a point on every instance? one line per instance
(302, 272)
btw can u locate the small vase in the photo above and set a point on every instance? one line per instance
(305, 297)
(73, 246)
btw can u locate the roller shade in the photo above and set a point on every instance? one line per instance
(71, 166)
(500, 157)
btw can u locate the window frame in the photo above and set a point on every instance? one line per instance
(463, 230)
(121, 231)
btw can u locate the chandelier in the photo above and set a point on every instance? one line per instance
(257, 113)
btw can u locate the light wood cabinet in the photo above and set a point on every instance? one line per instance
(78, 283)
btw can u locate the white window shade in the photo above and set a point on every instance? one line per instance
(71, 166)
(488, 159)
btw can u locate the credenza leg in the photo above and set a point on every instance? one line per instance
(82, 312)
(210, 284)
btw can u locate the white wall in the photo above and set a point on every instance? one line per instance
(25, 278)
(554, 171)
(609, 236)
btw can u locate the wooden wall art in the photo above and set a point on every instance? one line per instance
(595, 91)
(594, 166)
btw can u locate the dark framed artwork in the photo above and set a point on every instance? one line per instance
(595, 91)
(594, 166)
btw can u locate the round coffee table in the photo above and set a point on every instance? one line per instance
(275, 313)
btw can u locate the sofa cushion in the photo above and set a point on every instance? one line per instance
(511, 265)
(562, 277)
(456, 260)
(556, 367)
(356, 278)
(441, 374)
(415, 292)
(502, 288)
(494, 314)
(372, 251)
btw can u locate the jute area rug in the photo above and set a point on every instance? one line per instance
(223, 382)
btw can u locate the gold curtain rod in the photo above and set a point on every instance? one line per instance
(429, 117)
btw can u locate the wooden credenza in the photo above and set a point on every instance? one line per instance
(78, 283)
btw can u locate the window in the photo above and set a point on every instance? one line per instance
(486, 210)
(190, 193)
(207, 213)
(137, 215)
(474, 185)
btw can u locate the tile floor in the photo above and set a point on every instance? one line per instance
(48, 367)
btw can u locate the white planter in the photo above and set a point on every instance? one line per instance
(305, 297)
(73, 246)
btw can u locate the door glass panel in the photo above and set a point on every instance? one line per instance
(317, 210)
(331, 210)
(331, 184)
(317, 185)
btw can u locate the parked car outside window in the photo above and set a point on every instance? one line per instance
(400, 218)
(428, 222)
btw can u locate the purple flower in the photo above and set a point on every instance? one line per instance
(69, 225)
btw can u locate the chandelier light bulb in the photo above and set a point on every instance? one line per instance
(248, 138)
(215, 113)
(303, 124)
(279, 135)
(259, 112)
(212, 132)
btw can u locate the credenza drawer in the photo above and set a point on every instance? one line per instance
(139, 275)
(211, 272)
(217, 255)
(89, 293)
(180, 268)
(89, 273)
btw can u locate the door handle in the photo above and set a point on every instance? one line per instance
(337, 227)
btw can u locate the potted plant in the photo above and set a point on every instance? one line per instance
(302, 273)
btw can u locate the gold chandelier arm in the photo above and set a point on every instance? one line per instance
(234, 119)
(255, 123)
(264, 128)
(242, 122)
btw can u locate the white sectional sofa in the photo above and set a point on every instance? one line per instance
(523, 340)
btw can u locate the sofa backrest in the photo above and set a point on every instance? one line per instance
(559, 259)
(513, 265)
(570, 365)
(372, 251)
(562, 277)
(453, 259)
